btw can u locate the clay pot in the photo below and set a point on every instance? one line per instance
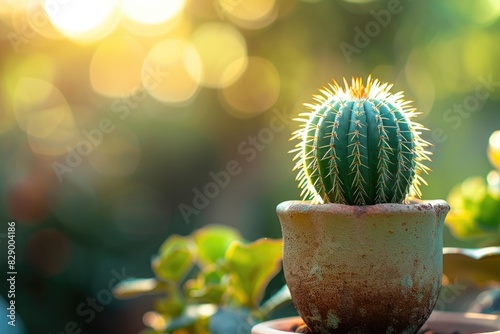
(363, 269)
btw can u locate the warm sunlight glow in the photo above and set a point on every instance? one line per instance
(115, 69)
(172, 71)
(11, 6)
(155, 321)
(255, 91)
(84, 20)
(420, 83)
(39, 21)
(35, 65)
(44, 114)
(223, 53)
(249, 14)
(151, 11)
(494, 149)
(37, 101)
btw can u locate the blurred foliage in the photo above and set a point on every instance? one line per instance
(222, 295)
(475, 203)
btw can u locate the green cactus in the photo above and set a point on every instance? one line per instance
(359, 146)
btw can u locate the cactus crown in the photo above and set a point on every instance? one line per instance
(359, 146)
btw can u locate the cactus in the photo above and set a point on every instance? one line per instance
(359, 146)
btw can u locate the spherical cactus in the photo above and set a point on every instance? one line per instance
(359, 146)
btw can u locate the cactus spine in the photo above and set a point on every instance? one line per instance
(359, 146)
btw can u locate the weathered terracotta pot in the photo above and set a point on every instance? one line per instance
(363, 269)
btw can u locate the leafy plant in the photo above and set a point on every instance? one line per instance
(358, 145)
(212, 281)
(475, 202)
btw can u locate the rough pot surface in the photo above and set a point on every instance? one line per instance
(363, 269)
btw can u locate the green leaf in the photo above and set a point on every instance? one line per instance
(251, 267)
(475, 212)
(175, 258)
(135, 287)
(213, 241)
(489, 214)
(172, 305)
(209, 286)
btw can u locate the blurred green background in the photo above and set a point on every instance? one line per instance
(116, 115)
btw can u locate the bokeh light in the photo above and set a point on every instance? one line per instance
(115, 69)
(176, 25)
(151, 11)
(255, 91)
(172, 71)
(36, 65)
(39, 21)
(471, 53)
(493, 180)
(445, 65)
(27, 202)
(421, 85)
(482, 12)
(37, 101)
(249, 14)
(83, 20)
(207, 10)
(44, 114)
(222, 65)
(27, 197)
(59, 139)
(155, 321)
(249, 10)
(494, 149)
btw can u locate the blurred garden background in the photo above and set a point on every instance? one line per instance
(125, 121)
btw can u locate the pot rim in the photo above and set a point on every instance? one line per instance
(456, 318)
(414, 207)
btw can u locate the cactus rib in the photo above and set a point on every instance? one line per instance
(359, 145)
